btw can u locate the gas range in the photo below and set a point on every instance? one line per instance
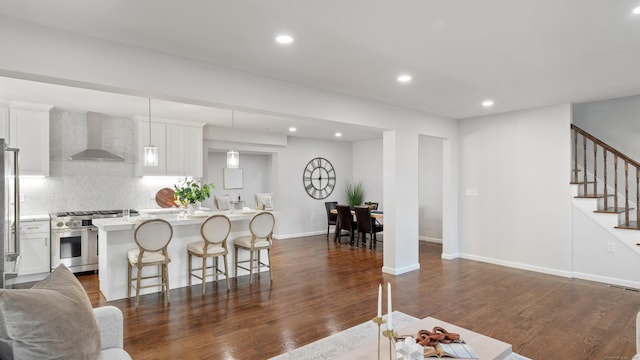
(81, 219)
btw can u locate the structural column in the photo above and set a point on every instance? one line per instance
(400, 188)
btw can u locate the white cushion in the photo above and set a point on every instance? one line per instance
(264, 199)
(223, 202)
(198, 248)
(246, 242)
(52, 320)
(148, 257)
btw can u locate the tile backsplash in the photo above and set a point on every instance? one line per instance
(89, 185)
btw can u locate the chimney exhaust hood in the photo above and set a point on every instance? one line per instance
(95, 146)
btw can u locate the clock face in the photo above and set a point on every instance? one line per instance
(319, 178)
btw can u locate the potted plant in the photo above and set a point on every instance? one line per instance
(355, 193)
(190, 193)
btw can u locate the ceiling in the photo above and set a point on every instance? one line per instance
(521, 54)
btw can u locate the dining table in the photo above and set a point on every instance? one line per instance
(375, 214)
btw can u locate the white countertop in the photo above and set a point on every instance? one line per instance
(26, 218)
(116, 224)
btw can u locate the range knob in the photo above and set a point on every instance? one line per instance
(59, 224)
(67, 223)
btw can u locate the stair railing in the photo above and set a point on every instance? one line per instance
(618, 156)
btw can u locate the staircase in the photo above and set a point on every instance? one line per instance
(608, 177)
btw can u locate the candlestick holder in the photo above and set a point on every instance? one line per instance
(391, 334)
(379, 321)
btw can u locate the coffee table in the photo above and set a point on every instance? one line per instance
(485, 347)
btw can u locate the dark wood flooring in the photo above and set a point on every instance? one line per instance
(320, 288)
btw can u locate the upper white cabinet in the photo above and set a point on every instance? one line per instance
(179, 143)
(26, 127)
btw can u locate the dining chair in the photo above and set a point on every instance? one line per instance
(331, 217)
(214, 232)
(261, 228)
(152, 237)
(345, 223)
(367, 225)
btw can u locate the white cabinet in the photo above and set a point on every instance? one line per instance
(26, 127)
(184, 150)
(180, 147)
(35, 245)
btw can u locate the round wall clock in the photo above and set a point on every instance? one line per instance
(319, 178)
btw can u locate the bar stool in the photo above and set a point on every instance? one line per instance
(214, 231)
(152, 237)
(261, 228)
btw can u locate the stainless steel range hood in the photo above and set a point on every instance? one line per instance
(95, 146)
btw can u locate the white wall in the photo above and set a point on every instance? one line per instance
(613, 121)
(300, 214)
(256, 171)
(518, 165)
(430, 194)
(367, 166)
(593, 259)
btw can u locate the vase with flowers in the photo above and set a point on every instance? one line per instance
(190, 193)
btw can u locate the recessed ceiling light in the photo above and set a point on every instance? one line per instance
(487, 103)
(338, 134)
(292, 129)
(284, 39)
(404, 78)
(636, 10)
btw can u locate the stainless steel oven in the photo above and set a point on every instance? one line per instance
(74, 239)
(76, 248)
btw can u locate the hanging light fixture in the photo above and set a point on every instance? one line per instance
(150, 151)
(233, 158)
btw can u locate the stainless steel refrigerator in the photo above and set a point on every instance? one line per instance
(10, 210)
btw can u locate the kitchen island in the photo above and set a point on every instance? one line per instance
(115, 239)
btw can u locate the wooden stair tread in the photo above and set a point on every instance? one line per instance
(633, 225)
(592, 196)
(611, 210)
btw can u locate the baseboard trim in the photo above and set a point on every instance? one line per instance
(516, 265)
(449, 256)
(398, 271)
(607, 280)
(310, 233)
(430, 239)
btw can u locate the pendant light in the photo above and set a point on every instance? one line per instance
(233, 158)
(150, 151)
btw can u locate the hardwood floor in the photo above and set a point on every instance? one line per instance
(320, 288)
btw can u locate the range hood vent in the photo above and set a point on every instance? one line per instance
(95, 146)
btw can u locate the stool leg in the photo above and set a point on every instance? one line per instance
(190, 268)
(236, 257)
(165, 267)
(215, 267)
(270, 268)
(129, 279)
(138, 280)
(259, 263)
(204, 271)
(251, 251)
(226, 271)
